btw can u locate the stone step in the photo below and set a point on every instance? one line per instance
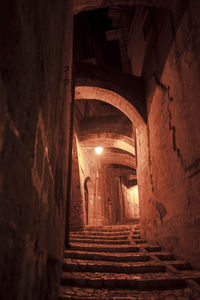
(78, 265)
(105, 262)
(180, 265)
(101, 264)
(88, 265)
(109, 229)
(106, 256)
(96, 233)
(90, 241)
(84, 293)
(164, 256)
(153, 248)
(145, 281)
(121, 237)
(140, 242)
(137, 227)
(136, 236)
(94, 247)
(100, 234)
(104, 248)
(146, 246)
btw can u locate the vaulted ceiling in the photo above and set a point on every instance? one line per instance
(114, 70)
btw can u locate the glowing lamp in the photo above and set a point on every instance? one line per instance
(98, 150)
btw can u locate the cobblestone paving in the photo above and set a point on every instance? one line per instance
(136, 270)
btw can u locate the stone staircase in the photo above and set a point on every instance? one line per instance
(113, 262)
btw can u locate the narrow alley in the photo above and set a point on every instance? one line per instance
(100, 149)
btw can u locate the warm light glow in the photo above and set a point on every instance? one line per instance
(98, 150)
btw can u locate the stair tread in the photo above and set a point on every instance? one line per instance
(70, 292)
(109, 231)
(85, 245)
(85, 265)
(93, 244)
(111, 237)
(118, 254)
(96, 241)
(109, 228)
(106, 266)
(109, 258)
(143, 277)
(96, 233)
(146, 263)
(105, 247)
(113, 254)
(106, 256)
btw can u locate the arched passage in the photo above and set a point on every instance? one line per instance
(119, 158)
(93, 83)
(125, 92)
(108, 96)
(108, 140)
(97, 91)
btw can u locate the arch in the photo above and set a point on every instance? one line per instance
(125, 92)
(119, 159)
(108, 96)
(108, 140)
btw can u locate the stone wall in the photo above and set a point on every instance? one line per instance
(34, 137)
(131, 202)
(90, 168)
(104, 190)
(112, 195)
(169, 189)
(77, 210)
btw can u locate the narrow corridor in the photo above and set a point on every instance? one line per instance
(122, 76)
(113, 262)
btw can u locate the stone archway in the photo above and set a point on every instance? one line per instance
(107, 139)
(125, 92)
(108, 96)
(97, 91)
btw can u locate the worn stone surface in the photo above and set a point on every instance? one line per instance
(169, 188)
(107, 124)
(35, 89)
(77, 220)
(108, 274)
(90, 183)
(129, 294)
(34, 145)
(132, 88)
(97, 195)
(109, 96)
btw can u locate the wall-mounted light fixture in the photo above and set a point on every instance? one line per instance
(98, 150)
